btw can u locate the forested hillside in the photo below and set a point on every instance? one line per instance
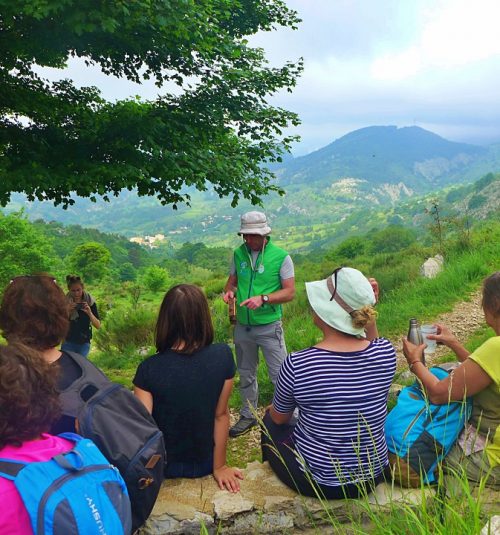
(129, 282)
(370, 170)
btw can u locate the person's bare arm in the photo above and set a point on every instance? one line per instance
(93, 319)
(466, 380)
(144, 396)
(230, 288)
(226, 477)
(279, 418)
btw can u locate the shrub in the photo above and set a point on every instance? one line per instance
(214, 287)
(125, 329)
(392, 239)
(351, 247)
(156, 279)
(91, 260)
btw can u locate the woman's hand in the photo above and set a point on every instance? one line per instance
(227, 478)
(443, 336)
(375, 287)
(86, 308)
(412, 352)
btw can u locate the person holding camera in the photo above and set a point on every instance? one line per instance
(83, 316)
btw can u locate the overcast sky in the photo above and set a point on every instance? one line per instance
(430, 63)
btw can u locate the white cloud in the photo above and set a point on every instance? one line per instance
(462, 32)
(397, 66)
(454, 34)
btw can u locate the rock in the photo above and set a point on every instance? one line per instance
(492, 526)
(264, 505)
(432, 266)
(407, 377)
(227, 505)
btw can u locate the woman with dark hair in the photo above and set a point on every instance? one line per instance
(477, 450)
(340, 385)
(83, 316)
(186, 387)
(34, 311)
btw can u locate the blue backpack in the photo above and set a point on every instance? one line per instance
(420, 434)
(76, 492)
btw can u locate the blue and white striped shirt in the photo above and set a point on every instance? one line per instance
(342, 400)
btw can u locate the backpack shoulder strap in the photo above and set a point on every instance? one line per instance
(10, 468)
(89, 370)
(72, 437)
(92, 380)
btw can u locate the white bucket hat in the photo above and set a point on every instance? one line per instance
(334, 298)
(254, 223)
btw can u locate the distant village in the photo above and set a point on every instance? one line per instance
(153, 242)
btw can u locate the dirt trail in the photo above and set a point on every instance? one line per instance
(465, 318)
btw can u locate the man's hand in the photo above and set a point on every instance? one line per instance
(253, 302)
(228, 296)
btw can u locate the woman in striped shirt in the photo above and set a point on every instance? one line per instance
(337, 448)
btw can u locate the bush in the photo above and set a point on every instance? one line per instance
(392, 239)
(126, 329)
(351, 248)
(214, 288)
(156, 279)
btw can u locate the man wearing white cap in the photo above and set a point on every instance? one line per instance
(262, 278)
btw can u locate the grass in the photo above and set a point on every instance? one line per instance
(422, 298)
(427, 298)
(418, 297)
(452, 506)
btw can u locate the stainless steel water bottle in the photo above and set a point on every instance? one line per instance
(415, 335)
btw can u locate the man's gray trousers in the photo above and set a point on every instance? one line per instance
(247, 340)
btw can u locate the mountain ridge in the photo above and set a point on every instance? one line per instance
(381, 154)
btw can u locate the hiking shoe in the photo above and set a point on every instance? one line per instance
(242, 426)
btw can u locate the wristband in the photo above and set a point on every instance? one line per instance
(413, 364)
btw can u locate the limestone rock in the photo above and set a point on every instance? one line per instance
(227, 505)
(264, 505)
(432, 266)
(492, 526)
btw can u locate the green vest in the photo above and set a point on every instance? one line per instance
(262, 278)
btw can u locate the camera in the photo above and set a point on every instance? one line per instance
(80, 306)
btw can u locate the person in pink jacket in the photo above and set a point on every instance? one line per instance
(29, 403)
